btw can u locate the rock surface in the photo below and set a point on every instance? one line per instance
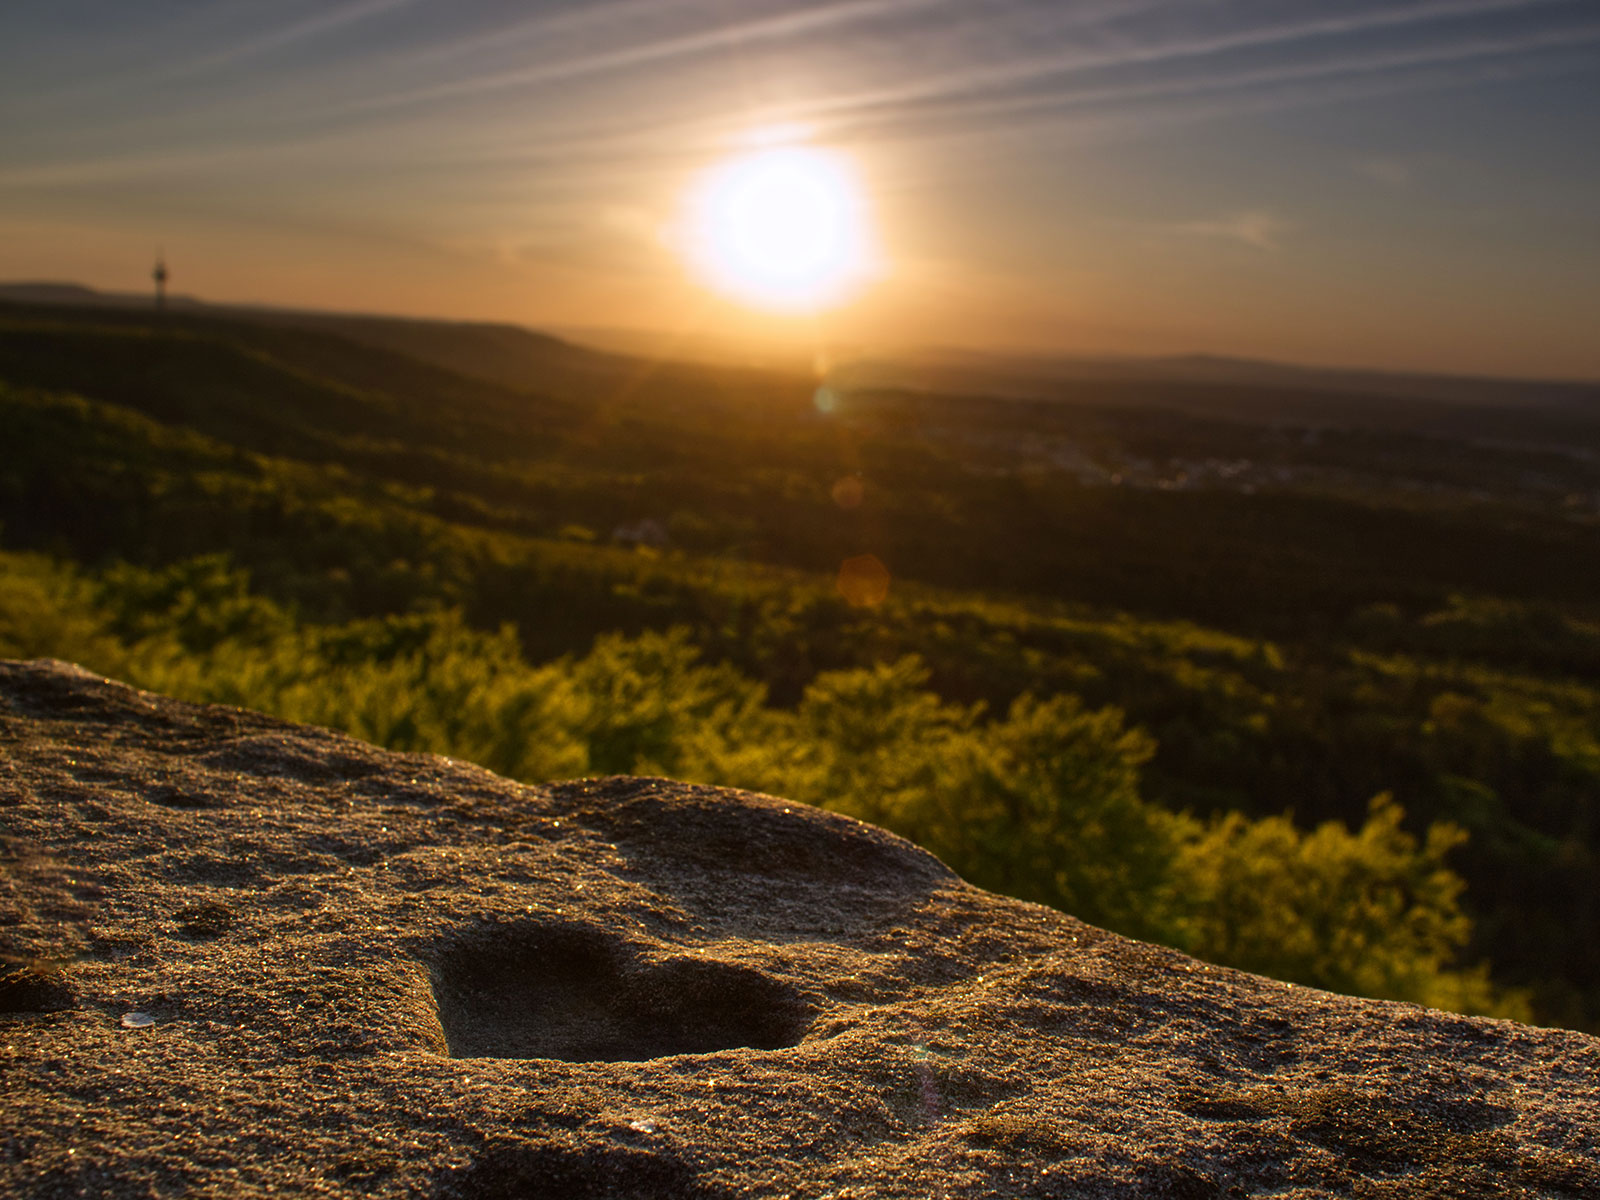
(383, 974)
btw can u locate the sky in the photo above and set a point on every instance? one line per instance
(1392, 183)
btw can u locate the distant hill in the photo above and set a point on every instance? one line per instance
(1239, 389)
(1542, 413)
(507, 355)
(64, 293)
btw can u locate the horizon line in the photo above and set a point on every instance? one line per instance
(572, 335)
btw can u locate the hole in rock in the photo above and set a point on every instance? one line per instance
(30, 989)
(170, 797)
(575, 994)
(520, 1171)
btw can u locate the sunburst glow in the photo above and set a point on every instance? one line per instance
(782, 228)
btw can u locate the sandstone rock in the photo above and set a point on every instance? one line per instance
(384, 974)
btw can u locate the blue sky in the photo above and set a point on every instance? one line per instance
(1400, 183)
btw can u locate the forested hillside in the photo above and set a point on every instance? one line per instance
(1315, 701)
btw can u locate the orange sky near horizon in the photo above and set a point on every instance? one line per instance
(1402, 184)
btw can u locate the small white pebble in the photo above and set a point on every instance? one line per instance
(642, 1126)
(137, 1020)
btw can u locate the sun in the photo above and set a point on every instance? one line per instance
(780, 228)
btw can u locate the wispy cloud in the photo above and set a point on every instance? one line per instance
(1060, 81)
(331, 19)
(1000, 46)
(1389, 171)
(578, 93)
(776, 28)
(1258, 229)
(889, 68)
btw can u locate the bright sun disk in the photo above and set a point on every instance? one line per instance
(780, 228)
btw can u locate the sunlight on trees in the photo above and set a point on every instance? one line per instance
(1043, 802)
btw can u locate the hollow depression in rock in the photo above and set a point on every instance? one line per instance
(568, 993)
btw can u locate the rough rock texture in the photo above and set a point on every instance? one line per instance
(380, 974)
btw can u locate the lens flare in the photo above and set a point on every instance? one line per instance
(863, 581)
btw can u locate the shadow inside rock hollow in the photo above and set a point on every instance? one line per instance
(578, 994)
(507, 1169)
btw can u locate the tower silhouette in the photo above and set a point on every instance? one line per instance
(160, 276)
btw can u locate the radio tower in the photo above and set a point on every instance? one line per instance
(160, 276)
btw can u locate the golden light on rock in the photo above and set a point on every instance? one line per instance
(863, 581)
